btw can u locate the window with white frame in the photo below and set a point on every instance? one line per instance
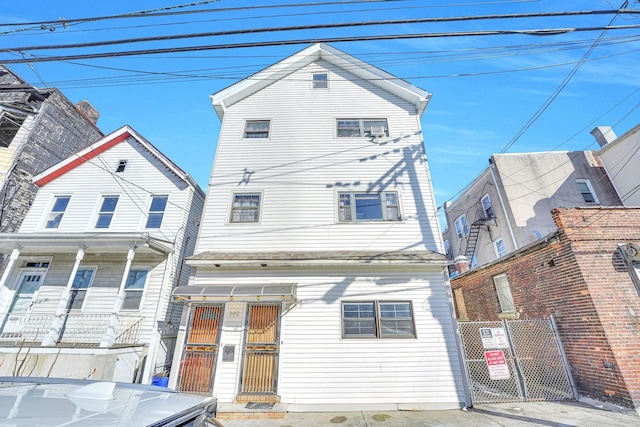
(462, 229)
(320, 81)
(498, 245)
(245, 208)
(133, 289)
(348, 128)
(156, 211)
(585, 188)
(107, 208)
(504, 294)
(377, 319)
(254, 129)
(355, 207)
(447, 247)
(57, 211)
(487, 208)
(81, 283)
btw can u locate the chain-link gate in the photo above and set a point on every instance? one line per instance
(515, 360)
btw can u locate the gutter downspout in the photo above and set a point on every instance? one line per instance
(504, 209)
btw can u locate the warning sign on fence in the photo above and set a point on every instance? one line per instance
(493, 338)
(497, 364)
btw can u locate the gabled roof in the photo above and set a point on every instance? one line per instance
(320, 51)
(104, 144)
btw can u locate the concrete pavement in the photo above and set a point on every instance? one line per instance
(522, 414)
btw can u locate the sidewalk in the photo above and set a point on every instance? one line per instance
(524, 414)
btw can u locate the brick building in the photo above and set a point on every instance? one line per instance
(587, 276)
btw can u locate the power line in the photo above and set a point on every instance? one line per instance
(527, 15)
(535, 32)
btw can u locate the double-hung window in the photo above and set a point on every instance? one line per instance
(245, 208)
(498, 245)
(133, 289)
(257, 129)
(107, 208)
(156, 211)
(354, 206)
(320, 81)
(377, 319)
(487, 208)
(348, 128)
(57, 211)
(462, 229)
(81, 283)
(588, 195)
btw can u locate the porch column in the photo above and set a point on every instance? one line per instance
(110, 337)
(5, 294)
(54, 331)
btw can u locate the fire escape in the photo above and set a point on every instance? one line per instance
(484, 216)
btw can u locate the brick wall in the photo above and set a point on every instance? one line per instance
(578, 276)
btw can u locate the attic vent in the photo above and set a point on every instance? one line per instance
(121, 166)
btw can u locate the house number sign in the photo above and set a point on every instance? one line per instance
(234, 314)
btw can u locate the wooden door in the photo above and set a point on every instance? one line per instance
(259, 371)
(198, 363)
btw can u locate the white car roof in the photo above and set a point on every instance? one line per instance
(68, 402)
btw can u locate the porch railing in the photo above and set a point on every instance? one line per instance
(77, 328)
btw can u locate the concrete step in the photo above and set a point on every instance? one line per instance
(251, 411)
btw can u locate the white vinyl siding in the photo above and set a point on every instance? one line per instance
(621, 160)
(304, 166)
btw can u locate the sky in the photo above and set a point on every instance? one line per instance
(506, 92)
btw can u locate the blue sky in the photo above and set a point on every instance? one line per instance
(485, 88)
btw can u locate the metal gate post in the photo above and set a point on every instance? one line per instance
(567, 367)
(521, 381)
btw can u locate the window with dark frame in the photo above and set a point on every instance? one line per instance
(378, 319)
(156, 211)
(255, 129)
(121, 166)
(363, 128)
(57, 211)
(354, 206)
(107, 208)
(79, 287)
(245, 208)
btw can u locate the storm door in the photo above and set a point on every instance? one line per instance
(259, 370)
(198, 363)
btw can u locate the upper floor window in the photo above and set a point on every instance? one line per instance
(498, 245)
(586, 190)
(507, 305)
(133, 289)
(377, 319)
(81, 283)
(122, 164)
(487, 208)
(369, 206)
(156, 211)
(257, 129)
(10, 123)
(245, 208)
(461, 226)
(347, 128)
(320, 81)
(447, 247)
(57, 211)
(107, 209)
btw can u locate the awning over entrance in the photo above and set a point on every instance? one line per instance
(242, 293)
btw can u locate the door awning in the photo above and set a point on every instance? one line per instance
(242, 293)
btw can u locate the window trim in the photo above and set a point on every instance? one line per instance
(151, 213)
(378, 320)
(314, 81)
(505, 298)
(353, 207)
(142, 291)
(495, 247)
(362, 132)
(61, 213)
(249, 138)
(491, 214)
(259, 208)
(464, 228)
(100, 212)
(590, 189)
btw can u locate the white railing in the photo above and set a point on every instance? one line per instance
(77, 328)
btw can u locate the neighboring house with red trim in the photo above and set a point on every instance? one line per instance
(587, 275)
(86, 292)
(319, 274)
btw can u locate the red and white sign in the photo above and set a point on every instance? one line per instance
(497, 364)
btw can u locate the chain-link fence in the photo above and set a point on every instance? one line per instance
(515, 360)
